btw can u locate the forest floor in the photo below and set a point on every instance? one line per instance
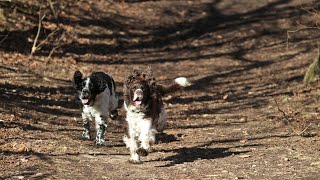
(247, 115)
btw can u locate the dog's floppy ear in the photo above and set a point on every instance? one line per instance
(99, 81)
(128, 82)
(149, 77)
(77, 78)
(131, 76)
(151, 80)
(102, 84)
(149, 71)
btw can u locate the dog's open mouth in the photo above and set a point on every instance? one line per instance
(137, 101)
(85, 101)
(137, 97)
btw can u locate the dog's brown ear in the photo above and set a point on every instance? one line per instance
(129, 78)
(149, 72)
(77, 78)
(151, 80)
(128, 81)
(149, 77)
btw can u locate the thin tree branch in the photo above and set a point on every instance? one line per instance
(297, 30)
(58, 46)
(34, 46)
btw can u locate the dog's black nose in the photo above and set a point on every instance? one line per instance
(85, 92)
(139, 92)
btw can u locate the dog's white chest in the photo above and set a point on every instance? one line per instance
(137, 120)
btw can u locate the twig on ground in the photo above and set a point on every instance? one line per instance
(35, 46)
(311, 11)
(46, 39)
(299, 29)
(305, 129)
(54, 12)
(287, 120)
(283, 113)
(315, 12)
(58, 46)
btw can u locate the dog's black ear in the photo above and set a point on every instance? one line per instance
(102, 84)
(100, 81)
(77, 78)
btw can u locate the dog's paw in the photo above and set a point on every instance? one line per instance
(85, 136)
(131, 161)
(142, 152)
(100, 142)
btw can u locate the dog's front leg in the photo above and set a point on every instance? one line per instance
(101, 127)
(132, 143)
(135, 158)
(86, 127)
(145, 137)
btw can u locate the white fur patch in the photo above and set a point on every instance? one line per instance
(182, 81)
(126, 141)
(99, 111)
(103, 104)
(141, 131)
(87, 83)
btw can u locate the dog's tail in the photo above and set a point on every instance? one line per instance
(178, 84)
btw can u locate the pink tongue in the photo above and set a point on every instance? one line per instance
(84, 101)
(137, 103)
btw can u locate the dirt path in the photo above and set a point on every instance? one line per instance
(227, 125)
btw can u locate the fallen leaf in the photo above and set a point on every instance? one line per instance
(245, 156)
(23, 148)
(225, 96)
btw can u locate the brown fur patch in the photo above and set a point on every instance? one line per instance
(154, 91)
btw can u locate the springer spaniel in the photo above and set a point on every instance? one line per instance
(97, 94)
(145, 112)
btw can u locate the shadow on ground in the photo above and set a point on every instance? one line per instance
(200, 152)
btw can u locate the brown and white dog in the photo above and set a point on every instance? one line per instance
(145, 112)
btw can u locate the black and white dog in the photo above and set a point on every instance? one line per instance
(97, 94)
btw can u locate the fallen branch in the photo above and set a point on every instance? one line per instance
(58, 46)
(305, 129)
(283, 113)
(55, 14)
(35, 46)
(311, 11)
(300, 29)
(287, 120)
(315, 12)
